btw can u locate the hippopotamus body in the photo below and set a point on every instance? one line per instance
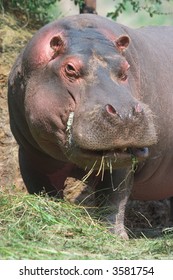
(90, 96)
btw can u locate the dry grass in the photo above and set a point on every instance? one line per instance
(36, 227)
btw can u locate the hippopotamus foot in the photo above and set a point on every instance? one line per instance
(110, 196)
(116, 226)
(116, 189)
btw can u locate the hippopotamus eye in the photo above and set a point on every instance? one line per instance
(71, 70)
(123, 77)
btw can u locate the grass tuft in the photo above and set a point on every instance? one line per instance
(36, 227)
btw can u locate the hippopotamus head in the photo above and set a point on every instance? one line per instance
(79, 102)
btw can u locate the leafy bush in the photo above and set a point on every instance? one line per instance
(35, 9)
(152, 7)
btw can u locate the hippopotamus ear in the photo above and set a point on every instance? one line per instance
(122, 42)
(57, 44)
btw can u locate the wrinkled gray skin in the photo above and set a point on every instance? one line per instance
(89, 94)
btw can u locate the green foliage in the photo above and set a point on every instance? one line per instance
(38, 10)
(35, 227)
(79, 2)
(152, 7)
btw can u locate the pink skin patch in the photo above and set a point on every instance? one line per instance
(71, 69)
(125, 66)
(110, 109)
(138, 108)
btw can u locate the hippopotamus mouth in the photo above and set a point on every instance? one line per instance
(114, 155)
(115, 158)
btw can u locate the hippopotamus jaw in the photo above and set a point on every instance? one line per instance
(117, 156)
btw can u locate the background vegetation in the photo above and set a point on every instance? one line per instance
(33, 10)
(43, 11)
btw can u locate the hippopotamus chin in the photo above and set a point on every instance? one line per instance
(84, 95)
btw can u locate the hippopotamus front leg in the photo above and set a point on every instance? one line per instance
(114, 191)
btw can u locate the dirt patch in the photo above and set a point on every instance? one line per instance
(12, 39)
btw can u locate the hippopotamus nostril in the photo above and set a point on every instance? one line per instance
(128, 114)
(110, 109)
(138, 108)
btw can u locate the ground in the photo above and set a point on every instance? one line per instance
(141, 215)
(12, 38)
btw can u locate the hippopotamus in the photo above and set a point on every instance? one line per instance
(92, 100)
